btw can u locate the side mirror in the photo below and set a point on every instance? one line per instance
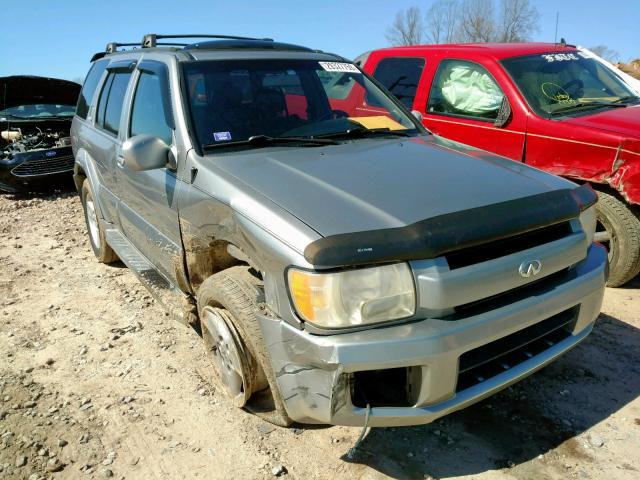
(146, 152)
(417, 114)
(504, 113)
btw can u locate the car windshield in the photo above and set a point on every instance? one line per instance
(39, 110)
(557, 84)
(237, 100)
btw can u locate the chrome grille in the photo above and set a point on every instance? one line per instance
(44, 166)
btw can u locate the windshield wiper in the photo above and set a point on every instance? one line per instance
(627, 98)
(11, 115)
(264, 140)
(587, 105)
(359, 132)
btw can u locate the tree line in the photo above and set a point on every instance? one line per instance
(457, 21)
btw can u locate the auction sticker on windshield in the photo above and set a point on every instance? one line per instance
(339, 67)
(221, 136)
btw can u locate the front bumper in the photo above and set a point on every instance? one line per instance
(314, 373)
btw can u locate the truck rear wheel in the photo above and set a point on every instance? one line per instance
(618, 229)
(227, 306)
(101, 249)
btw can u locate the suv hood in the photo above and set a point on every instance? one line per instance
(372, 184)
(26, 90)
(625, 121)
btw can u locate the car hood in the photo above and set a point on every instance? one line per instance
(373, 184)
(28, 90)
(625, 121)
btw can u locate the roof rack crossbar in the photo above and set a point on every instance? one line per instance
(151, 40)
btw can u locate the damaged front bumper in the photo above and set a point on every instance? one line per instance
(417, 372)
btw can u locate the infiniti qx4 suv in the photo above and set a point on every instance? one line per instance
(342, 264)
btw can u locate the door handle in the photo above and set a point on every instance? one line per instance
(120, 161)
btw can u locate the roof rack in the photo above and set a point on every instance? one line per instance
(151, 40)
(113, 46)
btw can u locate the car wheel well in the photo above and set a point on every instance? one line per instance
(204, 259)
(78, 177)
(606, 188)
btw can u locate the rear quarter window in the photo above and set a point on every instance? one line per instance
(89, 87)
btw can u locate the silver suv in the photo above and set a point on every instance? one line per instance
(340, 262)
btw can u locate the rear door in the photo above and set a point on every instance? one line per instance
(463, 103)
(106, 144)
(147, 199)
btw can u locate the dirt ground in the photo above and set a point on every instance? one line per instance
(96, 382)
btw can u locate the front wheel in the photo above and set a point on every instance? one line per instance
(227, 306)
(618, 229)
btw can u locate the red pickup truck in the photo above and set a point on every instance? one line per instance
(551, 106)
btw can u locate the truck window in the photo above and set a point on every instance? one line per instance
(89, 88)
(466, 89)
(111, 99)
(150, 111)
(564, 83)
(401, 77)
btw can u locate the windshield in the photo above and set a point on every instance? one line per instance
(233, 101)
(39, 110)
(561, 83)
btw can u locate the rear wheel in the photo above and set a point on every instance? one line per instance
(227, 306)
(101, 249)
(618, 229)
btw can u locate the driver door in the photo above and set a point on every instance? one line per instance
(148, 199)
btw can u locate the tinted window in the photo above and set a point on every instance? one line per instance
(233, 100)
(102, 101)
(465, 89)
(401, 77)
(150, 111)
(111, 99)
(89, 87)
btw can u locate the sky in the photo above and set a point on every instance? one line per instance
(57, 38)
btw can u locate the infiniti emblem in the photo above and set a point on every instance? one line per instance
(530, 268)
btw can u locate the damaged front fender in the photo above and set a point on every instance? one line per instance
(625, 174)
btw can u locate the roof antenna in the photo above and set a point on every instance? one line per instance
(563, 42)
(555, 37)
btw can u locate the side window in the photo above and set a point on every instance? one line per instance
(401, 77)
(464, 89)
(89, 87)
(111, 99)
(151, 111)
(102, 100)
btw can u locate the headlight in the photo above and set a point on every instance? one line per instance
(353, 297)
(588, 221)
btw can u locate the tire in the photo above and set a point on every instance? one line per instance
(95, 227)
(233, 295)
(619, 230)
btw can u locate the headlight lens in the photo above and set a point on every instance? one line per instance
(588, 221)
(353, 297)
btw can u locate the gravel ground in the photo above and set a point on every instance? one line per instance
(97, 382)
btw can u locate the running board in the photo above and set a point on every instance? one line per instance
(174, 300)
